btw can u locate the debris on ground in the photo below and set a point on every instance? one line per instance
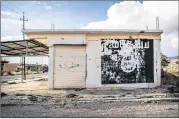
(79, 89)
(38, 98)
(169, 79)
(109, 97)
(71, 96)
(41, 79)
(3, 81)
(147, 101)
(33, 98)
(3, 94)
(11, 82)
(20, 94)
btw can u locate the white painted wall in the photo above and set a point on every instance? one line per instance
(93, 50)
(66, 39)
(51, 67)
(158, 65)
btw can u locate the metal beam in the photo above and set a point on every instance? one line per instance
(10, 48)
(38, 43)
(24, 52)
(26, 47)
(25, 56)
(22, 48)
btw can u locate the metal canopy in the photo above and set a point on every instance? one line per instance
(23, 47)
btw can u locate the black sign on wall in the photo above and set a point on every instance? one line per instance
(127, 61)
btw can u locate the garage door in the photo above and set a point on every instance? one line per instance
(70, 66)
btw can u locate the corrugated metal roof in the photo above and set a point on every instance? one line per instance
(19, 47)
(90, 31)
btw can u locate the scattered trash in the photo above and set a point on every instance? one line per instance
(41, 79)
(45, 98)
(29, 95)
(71, 96)
(109, 97)
(11, 82)
(33, 98)
(3, 94)
(79, 89)
(3, 81)
(147, 101)
(123, 95)
(20, 94)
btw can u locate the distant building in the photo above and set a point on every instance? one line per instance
(3, 61)
(18, 67)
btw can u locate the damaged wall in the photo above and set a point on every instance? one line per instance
(124, 63)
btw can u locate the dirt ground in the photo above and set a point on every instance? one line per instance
(114, 109)
(33, 99)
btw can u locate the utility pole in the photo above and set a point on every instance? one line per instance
(52, 26)
(146, 27)
(23, 58)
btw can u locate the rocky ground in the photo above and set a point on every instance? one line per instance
(98, 109)
(33, 99)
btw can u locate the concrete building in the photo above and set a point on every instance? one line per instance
(3, 61)
(9, 67)
(102, 58)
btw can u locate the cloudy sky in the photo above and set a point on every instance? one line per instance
(91, 15)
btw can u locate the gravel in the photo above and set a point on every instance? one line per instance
(127, 109)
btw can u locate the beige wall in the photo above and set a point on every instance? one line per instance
(93, 37)
(10, 67)
(42, 37)
(13, 66)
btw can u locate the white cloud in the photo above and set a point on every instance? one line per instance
(48, 7)
(174, 43)
(10, 27)
(5, 21)
(8, 14)
(134, 15)
(36, 2)
(11, 38)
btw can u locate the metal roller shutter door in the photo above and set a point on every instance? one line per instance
(69, 66)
